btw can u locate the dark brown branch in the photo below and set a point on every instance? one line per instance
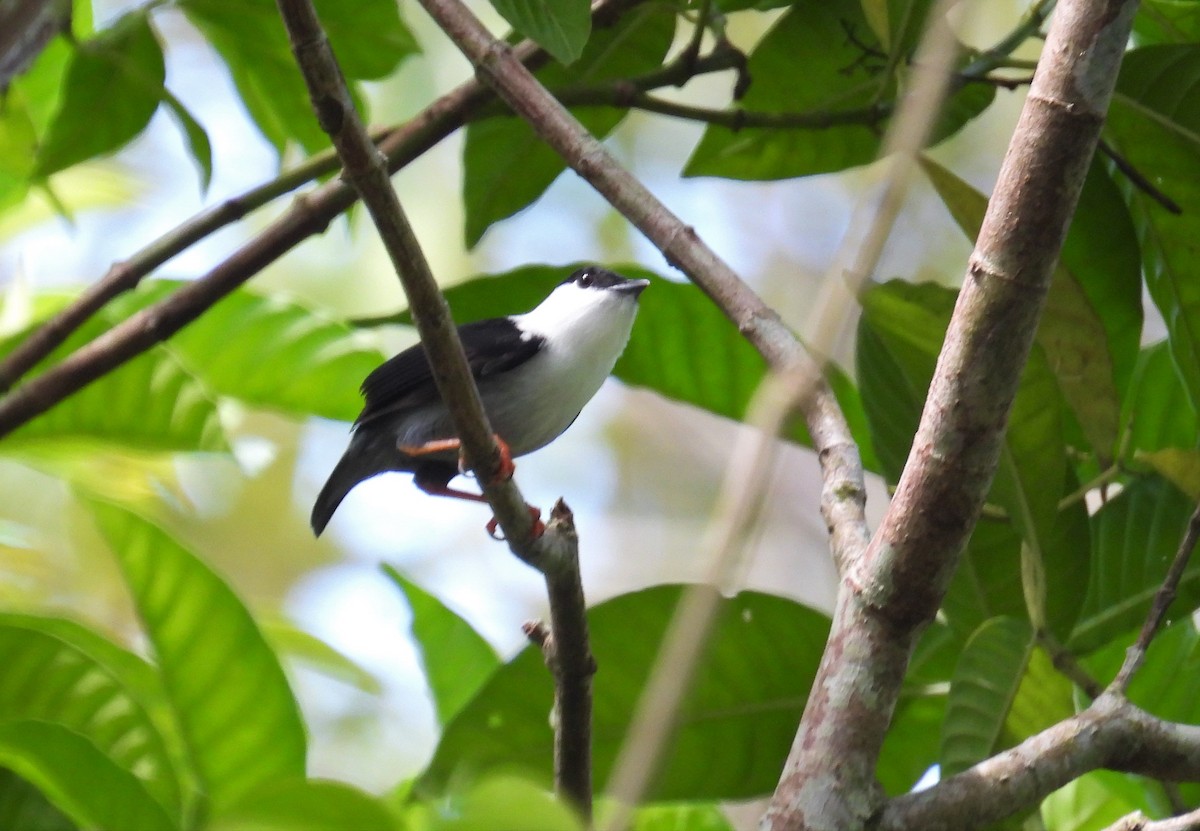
(568, 654)
(1111, 734)
(896, 588)
(1159, 606)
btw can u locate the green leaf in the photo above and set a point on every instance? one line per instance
(197, 138)
(1167, 21)
(457, 660)
(507, 166)
(1168, 682)
(675, 325)
(289, 641)
(684, 816)
(108, 94)
(1135, 536)
(1094, 802)
(742, 707)
(226, 686)
(150, 403)
(504, 803)
(305, 805)
(985, 683)
(304, 364)
(47, 679)
(79, 779)
(368, 37)
(561, 27)
(808, 42)
(1178, 466)
(850, 89)
(1158, 412)
(1154, 123)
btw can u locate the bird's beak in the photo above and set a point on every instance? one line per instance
(634, 287)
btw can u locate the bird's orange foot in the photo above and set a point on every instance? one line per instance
(535, 532)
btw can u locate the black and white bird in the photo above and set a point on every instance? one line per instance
(535, 372)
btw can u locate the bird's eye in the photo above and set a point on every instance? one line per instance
(585, 279)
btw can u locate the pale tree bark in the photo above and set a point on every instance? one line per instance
(893, 591)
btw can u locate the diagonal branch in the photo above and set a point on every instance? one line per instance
(496, 64)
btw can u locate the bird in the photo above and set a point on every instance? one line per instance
(535, 372)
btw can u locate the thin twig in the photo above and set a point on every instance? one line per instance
(1139, 181)
(1159, 606)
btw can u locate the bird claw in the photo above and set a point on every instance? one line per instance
(535, 532)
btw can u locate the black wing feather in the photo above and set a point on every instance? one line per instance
(406, 380)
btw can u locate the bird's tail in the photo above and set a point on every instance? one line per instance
(358, 464)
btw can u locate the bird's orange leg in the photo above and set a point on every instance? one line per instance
(503, 474)
(507, 468)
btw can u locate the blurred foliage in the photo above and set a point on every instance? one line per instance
(185, 719)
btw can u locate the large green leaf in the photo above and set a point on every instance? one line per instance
(79, 779)
(1134, 539)
(457, 660)
(226, 686)
(507, 166)
(305, 805)
(151, 403)
(269, 352)
(985, 683)
(741, 709)
(1154, 122)
(367, 36)
(561, 27)
(682, 346)
(47, 679)
(1158, 412)
(109, 94)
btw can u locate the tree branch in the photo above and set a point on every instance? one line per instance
(554, 553)
(1111, 734)
(896, 588)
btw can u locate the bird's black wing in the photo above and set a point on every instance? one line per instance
(406, 380)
